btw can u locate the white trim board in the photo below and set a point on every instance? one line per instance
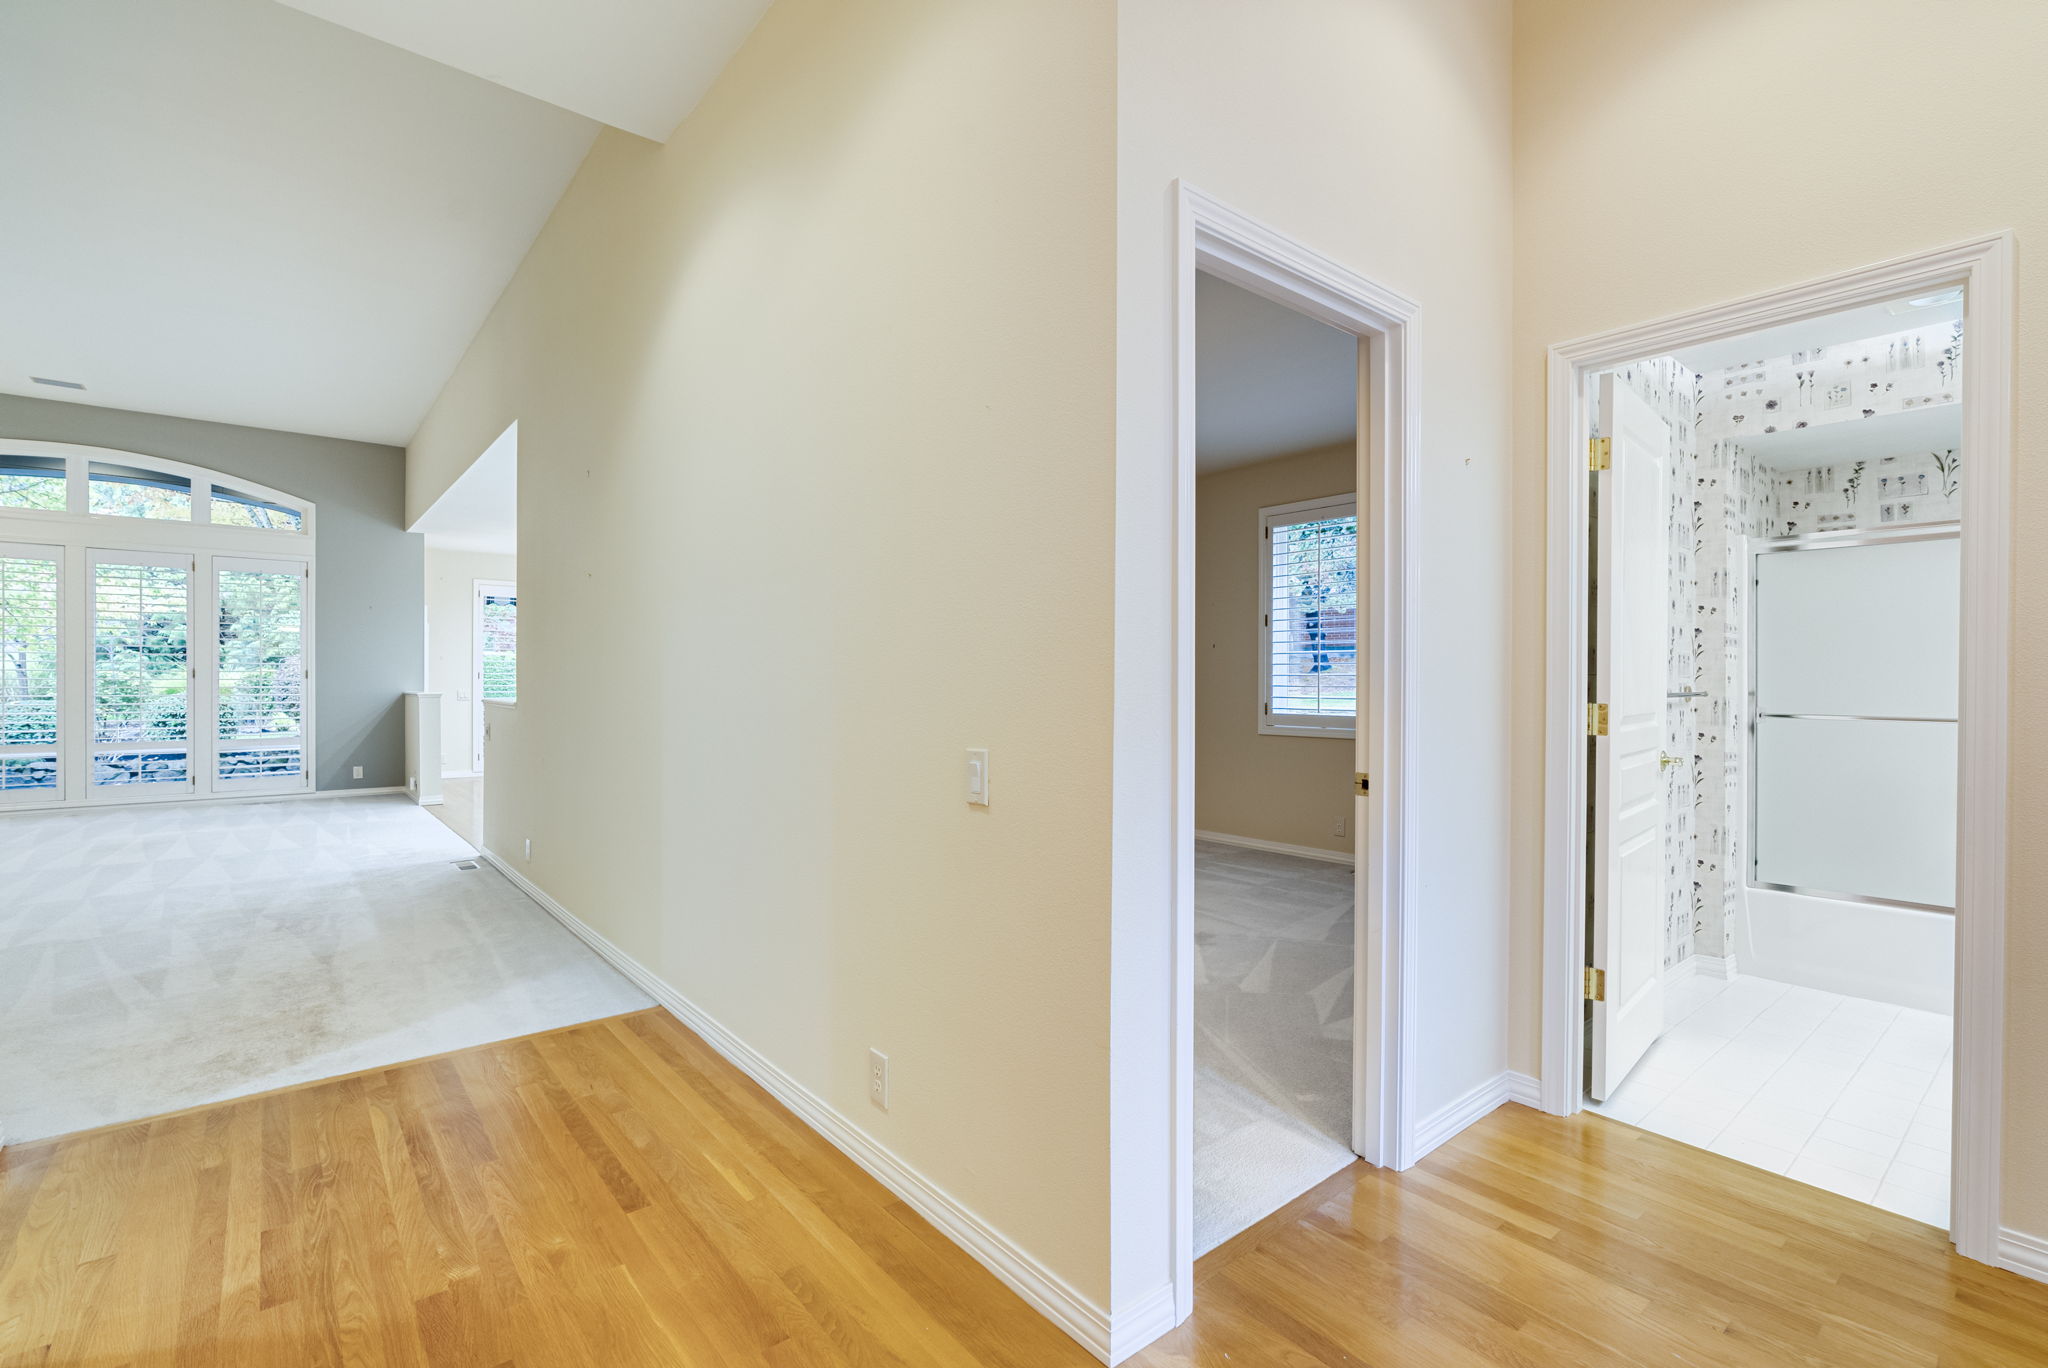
(1701, 966)
(1342, 857)
(1213, 238)
(1475, 1104)
(1044, 1289)
(2024, 1254)
(1983, 267)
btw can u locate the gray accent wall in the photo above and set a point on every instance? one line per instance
(370, 586)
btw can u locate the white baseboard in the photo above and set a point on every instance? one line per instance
(1504, 1087)
(209, 798)
(1138, 1325)
(2024, 1254)
(1109, 1339)
(1278, 847)
(1700, 966)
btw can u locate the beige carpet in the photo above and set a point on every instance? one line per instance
(1273, 976)
(155, 958)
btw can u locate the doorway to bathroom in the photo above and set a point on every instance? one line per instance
(1765, 868)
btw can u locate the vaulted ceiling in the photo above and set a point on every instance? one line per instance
(238, 211)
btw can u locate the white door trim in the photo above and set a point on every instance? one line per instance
(1983, 266)
(1216, 239)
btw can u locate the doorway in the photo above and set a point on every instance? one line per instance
(1219, 242)
(1776, 826)
(1276, 705)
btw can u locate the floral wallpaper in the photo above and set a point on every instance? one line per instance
(1721, 496)
(1823, 386)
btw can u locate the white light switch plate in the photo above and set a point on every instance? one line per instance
(977, 777)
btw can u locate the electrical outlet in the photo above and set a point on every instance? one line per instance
(1337, 827)
(878, 1079)
(528, 848)
(359, 771)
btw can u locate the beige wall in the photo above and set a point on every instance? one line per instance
(815, 410)
(1272, 788)
(451, 642)
(1673, 156)
(1376, 132)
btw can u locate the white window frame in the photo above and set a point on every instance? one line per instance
(67, 667)
(195, 681)
(478, 718)
(80, 539)
(215, 743)
(1287, 515)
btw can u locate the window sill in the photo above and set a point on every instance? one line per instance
(1331, 730)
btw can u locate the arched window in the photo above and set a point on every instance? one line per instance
(156, 633)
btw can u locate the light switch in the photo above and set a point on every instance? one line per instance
(977, 777)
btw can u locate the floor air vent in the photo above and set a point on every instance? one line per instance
(465, 864)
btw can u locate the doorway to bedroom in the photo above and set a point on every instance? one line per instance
(1276, 694)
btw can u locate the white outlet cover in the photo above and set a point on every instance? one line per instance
(878, 1079)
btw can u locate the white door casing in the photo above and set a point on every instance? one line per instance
(1983, 266)
(1632, 601)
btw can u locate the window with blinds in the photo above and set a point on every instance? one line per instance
(260, 670)
(28, 669)
(141, 681)
(497, 632)
(1308, 657)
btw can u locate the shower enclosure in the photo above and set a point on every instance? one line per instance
(1852, 761)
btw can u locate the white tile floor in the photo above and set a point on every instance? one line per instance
(1840, 1092)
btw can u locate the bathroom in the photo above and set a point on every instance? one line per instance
(1809, 755)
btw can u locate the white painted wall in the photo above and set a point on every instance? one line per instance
(1376, 132)
(822, 595)
(451, 642)
(1624, 214)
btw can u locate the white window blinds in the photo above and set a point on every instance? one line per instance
(1309, 621)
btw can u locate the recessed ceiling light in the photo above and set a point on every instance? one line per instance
(55, 384)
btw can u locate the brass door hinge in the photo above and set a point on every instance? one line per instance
(1599, 453)
(1596, 985)
(1596, 719)
(1362, 782)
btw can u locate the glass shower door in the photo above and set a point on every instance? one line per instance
(1853, 780)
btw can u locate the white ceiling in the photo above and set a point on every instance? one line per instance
(1268, 381)
(480, 511)
(227, 209)
(1851, 325)
(640, 65)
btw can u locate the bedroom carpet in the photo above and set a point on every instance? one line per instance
(1273, 975)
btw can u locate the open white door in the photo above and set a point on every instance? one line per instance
(1633, 608)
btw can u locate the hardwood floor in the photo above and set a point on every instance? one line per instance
(615, 1194)
(1530, 1240)
(609, 1194)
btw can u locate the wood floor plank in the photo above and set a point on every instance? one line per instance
(616, 1194)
